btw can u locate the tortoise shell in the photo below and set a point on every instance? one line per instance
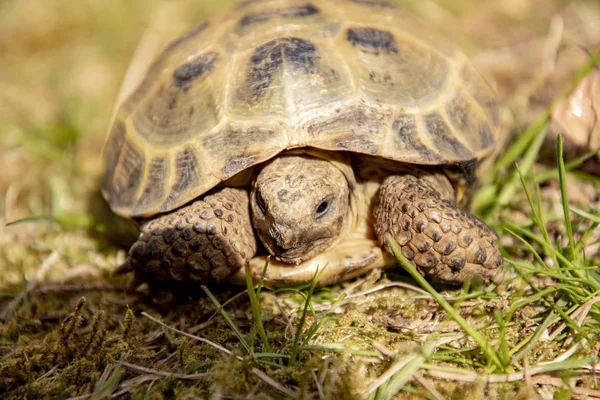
(355, 75)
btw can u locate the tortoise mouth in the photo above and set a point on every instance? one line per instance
(298, 253)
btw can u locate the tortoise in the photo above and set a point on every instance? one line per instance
(306, 132)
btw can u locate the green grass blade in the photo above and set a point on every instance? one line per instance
(255, 308)
(295, 348)
(489, 351)
(563, 194)
(229, 321)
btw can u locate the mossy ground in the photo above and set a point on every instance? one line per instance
(70, 330)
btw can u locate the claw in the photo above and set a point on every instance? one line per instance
(124, 268)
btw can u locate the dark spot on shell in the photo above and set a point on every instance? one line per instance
(436, 236)
(230, 218)
(493, 108)
(406, 127)
(375, 3)
(290, 12)
(158, 174)
(466, 171)
(441, 134)
(128, 177)
(373, 39)
(234, 166)
(184, 75)
(300, 54)
(404, 207)
(188, 35)
(421, 206)
(486, 135)
(468, 239)
(357, 142)
(420, 226)
(219, 212)
(186, 165)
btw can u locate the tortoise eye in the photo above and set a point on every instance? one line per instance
(260, 202)
(322, 208)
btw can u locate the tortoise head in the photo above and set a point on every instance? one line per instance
(300, 206)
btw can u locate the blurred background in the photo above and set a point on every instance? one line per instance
(62, 63)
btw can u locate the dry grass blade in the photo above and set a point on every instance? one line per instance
(586, 365)
(213, 344)
(271, 382)
(143, 370)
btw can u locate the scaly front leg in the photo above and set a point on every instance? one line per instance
(444, 242)
(205, 241)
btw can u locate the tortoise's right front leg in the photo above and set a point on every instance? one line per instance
(205, 241)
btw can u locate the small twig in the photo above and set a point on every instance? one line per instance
(559, 382)
(143, 370)
(318, 385)
(131, 383)
(265, 378)
(211, 343)
(428, 386)
(383, 350)
(79, 287)
(388, 285)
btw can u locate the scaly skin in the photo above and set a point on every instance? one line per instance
(445, 243)
(205, 241)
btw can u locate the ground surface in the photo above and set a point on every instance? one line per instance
(69, 330)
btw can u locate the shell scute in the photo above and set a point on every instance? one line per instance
(187, 173)
(406, 139)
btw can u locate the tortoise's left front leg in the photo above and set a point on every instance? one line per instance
(444, 242)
